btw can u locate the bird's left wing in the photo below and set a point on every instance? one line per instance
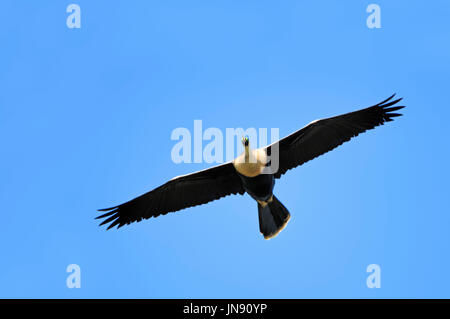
(178, 193)
(322, 136)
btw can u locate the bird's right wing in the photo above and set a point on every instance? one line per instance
(322, 136)
(181, 192)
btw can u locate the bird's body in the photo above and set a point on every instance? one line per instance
(252, 172)
(250, 163)
(249, 166)
(260, 187)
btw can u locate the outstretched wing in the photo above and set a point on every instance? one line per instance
(181, 192)
(322, 136)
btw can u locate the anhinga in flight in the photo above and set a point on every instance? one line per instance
(248, 172)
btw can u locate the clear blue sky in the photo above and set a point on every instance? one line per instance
(86, 116)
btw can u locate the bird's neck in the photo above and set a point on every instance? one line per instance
(247, 154)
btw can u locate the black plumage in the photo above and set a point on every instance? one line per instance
(324, 135)
(178, 193)
(238, 176)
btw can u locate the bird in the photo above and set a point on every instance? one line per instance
(252, 171)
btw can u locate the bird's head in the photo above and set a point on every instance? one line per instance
(245, 141)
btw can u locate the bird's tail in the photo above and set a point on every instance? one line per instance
(273, 217)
